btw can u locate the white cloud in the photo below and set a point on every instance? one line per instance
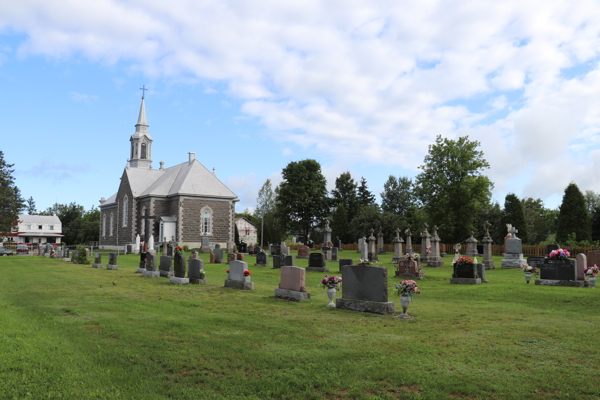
(83, 98)
(376, 80)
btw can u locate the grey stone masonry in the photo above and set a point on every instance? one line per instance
(235, 277)
(196, 271)
(488, 260)
(434, 259)
(112, 261)
(166, 266)
(98, 261)
(316, 263)
(327, 232)
(513, 258)
(398, 255)
(471, 246)
(365, 288)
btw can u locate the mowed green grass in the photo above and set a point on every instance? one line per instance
(74, 332)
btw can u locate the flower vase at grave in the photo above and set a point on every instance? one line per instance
(528, 277)
(592, 282)
(331, 295)
(405, 300)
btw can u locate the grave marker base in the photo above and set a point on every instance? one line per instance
(466, 281)
(553, 282)
(179, 281)
(376, 307)
(166, 274)
(140, 270)
(239, 284)
(420, 276)
(489, 264)
(100, 266)
(317, 269)
(196, 281)
(112, 267)
(292, 295)
(151, 274)
(404, 316)
(435, 264)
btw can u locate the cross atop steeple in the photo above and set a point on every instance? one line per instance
(143, 89)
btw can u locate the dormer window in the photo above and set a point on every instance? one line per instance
(29, 227)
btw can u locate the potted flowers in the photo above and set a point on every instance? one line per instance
(331, 283)
(590, 274)
(559, 254)
(405, 290)
(247, 274)
(529, 271)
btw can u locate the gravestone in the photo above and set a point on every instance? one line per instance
(98, 261)
(66, 255)
(112, 261)
(250, 249)
(239, 257)
(218, 255)
(326, 252)
(380, 244)
(559, 273)
(170, 250)
(243, 247)
(334, 254)
(442, 250)
(262, 259)
(196, 271)
(166, 266)
(425, 243)
(151, 271)
(278, 261)
(513, 258)
(283, 249)
(327, 232)
(488, 260)
(316, 263)
(581, 265)
(289, 261)
(275, 250)
(410, 269)
(129, 249)
(142, 265)
(372, 249)
(398, 255)
(360, 242)
(434, 259)
(471, 247)
(302, 252)
(179, 278)
(291, 284)
(535, 261)
(593, 258)
(344, 261)
(465, 274)
(551, 247)
(205, 248)
(365, 288)
(194, 254)
(235, 276)
(364, 252)
(337, 243)
(230, 257)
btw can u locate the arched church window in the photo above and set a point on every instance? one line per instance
(143, 151)
(110, 228)
(206, 220)
(143, 222)
(125, 207)
(104, 225)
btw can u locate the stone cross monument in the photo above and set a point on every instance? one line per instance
(398, 255)
(488, 262)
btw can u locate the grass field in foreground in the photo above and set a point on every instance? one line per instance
(74, 332)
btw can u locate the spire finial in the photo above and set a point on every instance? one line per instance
(143, 89)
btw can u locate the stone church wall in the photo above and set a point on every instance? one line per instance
(108, 240)
(192, 221)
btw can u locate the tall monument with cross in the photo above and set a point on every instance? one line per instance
(513, 258)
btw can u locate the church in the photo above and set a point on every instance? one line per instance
(186, 202)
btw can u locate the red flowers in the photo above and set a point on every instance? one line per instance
(227, 271)
(247, 273)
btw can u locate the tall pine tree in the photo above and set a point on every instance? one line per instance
(573, 216)
(513, 214)
(11, 202)
(365, 197)
(345, 194)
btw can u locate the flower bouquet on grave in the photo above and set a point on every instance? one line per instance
(179, 250)
(405, 290)
(590, 273)
(412, 256)
(327, 246)
(559, 254)
(428, 250)
(247, 272)
(529, 271)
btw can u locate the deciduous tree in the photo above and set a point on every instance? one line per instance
(397, 196)
(345, 194)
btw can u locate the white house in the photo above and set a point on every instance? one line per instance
(37, 229)
(248, 233)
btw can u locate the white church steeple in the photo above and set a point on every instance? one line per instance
(141, 140)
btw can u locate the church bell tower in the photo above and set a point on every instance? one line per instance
(141, 141)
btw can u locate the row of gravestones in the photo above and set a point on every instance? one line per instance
(175, 273)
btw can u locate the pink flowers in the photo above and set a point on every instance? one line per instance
(528, 269)
(591, 271)
(559, 254)
(407, 288)
(331, 282)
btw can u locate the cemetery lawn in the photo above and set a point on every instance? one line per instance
(74, 332)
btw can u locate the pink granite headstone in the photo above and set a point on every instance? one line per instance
(292, 278)
(303, 251)
(240, 256)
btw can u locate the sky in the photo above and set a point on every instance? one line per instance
(360, 86)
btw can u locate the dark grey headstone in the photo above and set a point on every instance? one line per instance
(337, 243)
(262, 258)
(143, 257)
(334, 254)
(345, 261)
(98, 258)
(150, 262)
(551, 247)
(275, 250)
(218, 255)
(166, 264)
(562, 270)
(179, 265)
(278, 261)
(464, 271)
(195, 265)
(535, 261)
(289, 261)
(169, 251)
(365, 282)
(243, 247)
(316, 260)
(112, 258)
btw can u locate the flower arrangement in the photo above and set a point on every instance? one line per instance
(429, 250)
(463, 260)
(528, 269)
(559, 254)
(247, 273)
(407, 288)
(179, 250)
(591, 272)
(327, 246)
(227, 271)
(411, 256)
(331, 282)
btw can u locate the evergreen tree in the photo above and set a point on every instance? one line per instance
(451, 186)
(365, 197)
(596, 224)
(345, 194)
(302, 202)
(31, 206)
(339, 225)
(573, 216)
(11, 202)
(513, 214)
